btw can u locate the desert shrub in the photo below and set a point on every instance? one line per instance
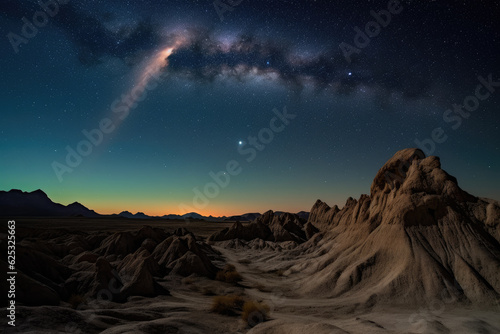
(227, 305)
(253, 313)
(77, 300)
(232, 277)
(228, 275)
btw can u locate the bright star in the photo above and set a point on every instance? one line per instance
(240, 142)
(350, 73)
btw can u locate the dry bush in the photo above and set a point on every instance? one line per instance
(228, 275)
(227, 305)
(232, 277)
(77, 300)
(254, 313)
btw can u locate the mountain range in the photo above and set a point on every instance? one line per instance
(37, 204)
(19, 203)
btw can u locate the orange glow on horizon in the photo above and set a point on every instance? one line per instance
(231, 210)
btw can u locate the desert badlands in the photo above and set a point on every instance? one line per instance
(416, 255)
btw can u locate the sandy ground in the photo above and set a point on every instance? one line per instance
(187, 310)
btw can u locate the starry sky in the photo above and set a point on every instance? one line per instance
(283, 102)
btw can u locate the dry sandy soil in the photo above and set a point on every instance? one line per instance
(266, 277)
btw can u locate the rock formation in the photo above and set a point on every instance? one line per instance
(268, 227)
(59, 264)
(418, 236)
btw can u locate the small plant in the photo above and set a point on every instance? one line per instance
(254, 313)
(228, 275)
(76, 300)
(227, 305)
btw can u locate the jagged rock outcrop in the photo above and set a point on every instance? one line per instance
(243, 232)
(61, 264)
(418, 236)
(182, 255)
(137, 273)
(123, 243)
(106, 283)
(268, 227)
(119, 243)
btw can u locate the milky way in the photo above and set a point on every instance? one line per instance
(218, 79)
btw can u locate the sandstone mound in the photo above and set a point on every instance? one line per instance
(119, 243)
(123, 243)
(183, 255)
(106, 281)
(269, 227)
(59, 264)
(153, 233)
(137, 271)
(417, 237)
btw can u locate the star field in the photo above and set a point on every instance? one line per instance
(194, 86)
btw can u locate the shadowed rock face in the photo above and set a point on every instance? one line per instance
(182, 255)
(269, 227)
(55, 265)
(418, 236)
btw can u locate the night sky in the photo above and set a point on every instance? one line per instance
(172, 93)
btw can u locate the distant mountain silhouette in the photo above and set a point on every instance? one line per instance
(191, 215)
(139, 215)
(247, 217)
(37, 203)
(30, 204)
